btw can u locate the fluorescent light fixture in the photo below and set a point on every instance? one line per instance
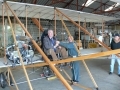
(113, 6)
(117, 1)
(88, 3)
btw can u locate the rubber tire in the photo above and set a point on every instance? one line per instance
(2, 80)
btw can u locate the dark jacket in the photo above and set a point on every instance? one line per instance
(115, 45)
(70, 47)
(47, 44)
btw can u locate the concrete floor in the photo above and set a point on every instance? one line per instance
(98, 67)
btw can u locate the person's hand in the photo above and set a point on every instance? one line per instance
(57, 42)
(59, 47)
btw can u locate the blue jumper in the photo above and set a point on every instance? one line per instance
(75, 64)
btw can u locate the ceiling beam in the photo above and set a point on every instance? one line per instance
(112, 8)
(79, 5)
(55, 2)
(68, 3)
(34, 1)
(99, 7)
(100, 2)
(101, 12)
(83, 5)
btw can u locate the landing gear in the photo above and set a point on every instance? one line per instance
(3, 82)
(47, 71)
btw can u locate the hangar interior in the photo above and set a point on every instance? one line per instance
(23, 63)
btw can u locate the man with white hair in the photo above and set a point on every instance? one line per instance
(50, 46)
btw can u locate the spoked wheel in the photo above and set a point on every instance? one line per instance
(2, 80)
(47, 71)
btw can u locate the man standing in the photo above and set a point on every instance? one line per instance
(72, 52)
(115, 44)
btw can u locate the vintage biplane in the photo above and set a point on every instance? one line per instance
(35, 12)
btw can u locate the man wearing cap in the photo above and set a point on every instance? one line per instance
(115, 44)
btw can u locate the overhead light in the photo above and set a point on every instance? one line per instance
(113, 6)
(117, 1)
(88, 3)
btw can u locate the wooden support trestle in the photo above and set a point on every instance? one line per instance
(90, 74)
(76, 84)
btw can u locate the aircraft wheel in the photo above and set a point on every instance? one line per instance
(2, 80)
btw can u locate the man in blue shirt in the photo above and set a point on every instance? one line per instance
(72, 52)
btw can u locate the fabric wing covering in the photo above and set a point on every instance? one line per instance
(47, 12)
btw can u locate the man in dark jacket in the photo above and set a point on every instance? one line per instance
(50, 46)
(115, 44)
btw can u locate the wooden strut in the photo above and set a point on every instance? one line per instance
(79, 31)
(42, 53)
(67, 30)
(79, 85)
(30, 86)
(84, 33)
(89, 73)
(104, 45)
(62, 30)
(102, 27)
(5, 60)
(64, 24)
(102, 30)
(84, 61)
(8, 78)
(85, 57)
(55, 21)
(79, 54)
(39, 25)
(9, 71)
(14, 26)
(86, 67)
(26, 15)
